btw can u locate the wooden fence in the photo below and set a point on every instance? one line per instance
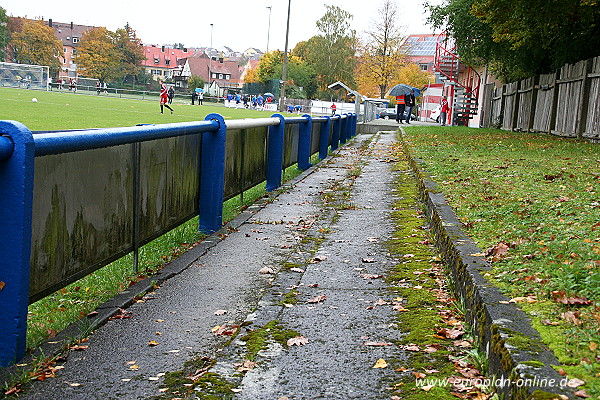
(564, 103)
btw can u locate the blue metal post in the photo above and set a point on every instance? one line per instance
(337, 125)
(344, 133)
(16, 192)
(353, 124)
(212, 176)
(324, 138)
(304, 143)
(275, 154)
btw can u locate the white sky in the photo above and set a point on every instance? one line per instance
(238, 24)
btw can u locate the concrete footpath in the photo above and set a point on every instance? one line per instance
(309, 259)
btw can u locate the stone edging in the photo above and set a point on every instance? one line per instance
(515, 351)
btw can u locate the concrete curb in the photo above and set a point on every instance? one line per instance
(517, 358)
(104, 312)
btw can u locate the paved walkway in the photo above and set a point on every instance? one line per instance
(308, 260)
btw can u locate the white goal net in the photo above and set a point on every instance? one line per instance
(24, 76)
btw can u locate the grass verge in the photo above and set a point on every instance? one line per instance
(532, 204)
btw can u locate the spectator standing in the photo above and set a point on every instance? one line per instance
(105, 87)
(333, 109)
(97, 88)
(171, 94)
(409, 100)
(444, 110)
(400, 108)
(200, 96)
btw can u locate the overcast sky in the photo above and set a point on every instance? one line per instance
(238, 24)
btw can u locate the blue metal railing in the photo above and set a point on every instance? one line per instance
(19, 147)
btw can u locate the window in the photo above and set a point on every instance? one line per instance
(220, 76)
(75, 39)
(156, 60)
(214, 75)
(424, 67)
(227, 76)
(167, 62)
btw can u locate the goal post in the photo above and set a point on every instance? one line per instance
(24, 76)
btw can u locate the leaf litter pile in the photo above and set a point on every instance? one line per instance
(532, 202)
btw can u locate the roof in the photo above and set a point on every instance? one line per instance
(162, 54)
(421, 45)
(66, 31)
(200, 65)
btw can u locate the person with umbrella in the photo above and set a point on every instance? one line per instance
(399, 91)
(409, 100)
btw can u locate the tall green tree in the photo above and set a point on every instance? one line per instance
(132, 52)
(332, 52)
(34, 42)
(299, 73)
(520, 38)
(3, 33)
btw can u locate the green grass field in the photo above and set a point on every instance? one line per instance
(65, 110)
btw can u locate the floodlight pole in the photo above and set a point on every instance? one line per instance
(269, 29)
(285, 61)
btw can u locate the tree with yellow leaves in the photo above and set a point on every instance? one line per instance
(98, 56)
(34, 42)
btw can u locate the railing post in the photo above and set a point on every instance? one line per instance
(275, 154)
(304, 138)
(324, 138)
(344, 130)
(16, 192)
(354, 124)
(212, 176)
(337, 124)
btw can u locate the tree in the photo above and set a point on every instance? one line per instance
(299, 73)
(331, 53)
(381, 56)
(34, 42)
(3, 33)
(98, 56)
(195, 81)
(520, 38)
(131, 50)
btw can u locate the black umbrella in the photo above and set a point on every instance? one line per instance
(402, 89)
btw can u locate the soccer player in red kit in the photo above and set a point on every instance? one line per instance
(164, 98)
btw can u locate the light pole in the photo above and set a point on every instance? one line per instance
(210, 56)
(285, 61)
(269, 28)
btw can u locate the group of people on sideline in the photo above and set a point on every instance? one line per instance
(254, 102)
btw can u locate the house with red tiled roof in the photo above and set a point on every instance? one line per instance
(161, 61)
(69, 34)
(219, 74)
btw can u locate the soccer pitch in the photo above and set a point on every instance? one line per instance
(65, 110)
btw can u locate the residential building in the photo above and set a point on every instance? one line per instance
(219, 74)
(421, 50)
(69, 34)
(162, 62)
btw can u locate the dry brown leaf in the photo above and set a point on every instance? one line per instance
(419, 375)
(317, 299)
(575, 382)
(371, 276)
(582, 393)
(450, 333)
(371, 343)
(152, 343)
(380, 363)
(266, 270)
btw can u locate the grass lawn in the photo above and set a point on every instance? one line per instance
(65, 110)
(533, 201)
(56, 111)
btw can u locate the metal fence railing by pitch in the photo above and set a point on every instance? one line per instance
(74, 201)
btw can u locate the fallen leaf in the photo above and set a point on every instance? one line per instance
(317, 299)
(152, 343)
(450, 333)
(371, 276)
(2, 285)
(298, 341)
(220, 312)
(266, 270)
(548, 322)
(574, 383)
(419, 375)
(412, 347)
(368, 260)
(582, 393)
(593, 346)
(134, 367)
(380, 302)
(78, 347)
(427, 388)
(74, 384)
(380, 363)
(299, 270)
(318, 259)
(246, 366)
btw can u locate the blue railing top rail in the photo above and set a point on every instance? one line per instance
(57, 142)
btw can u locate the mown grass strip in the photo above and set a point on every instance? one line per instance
(531, 201)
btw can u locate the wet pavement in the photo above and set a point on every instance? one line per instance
(312, 260)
